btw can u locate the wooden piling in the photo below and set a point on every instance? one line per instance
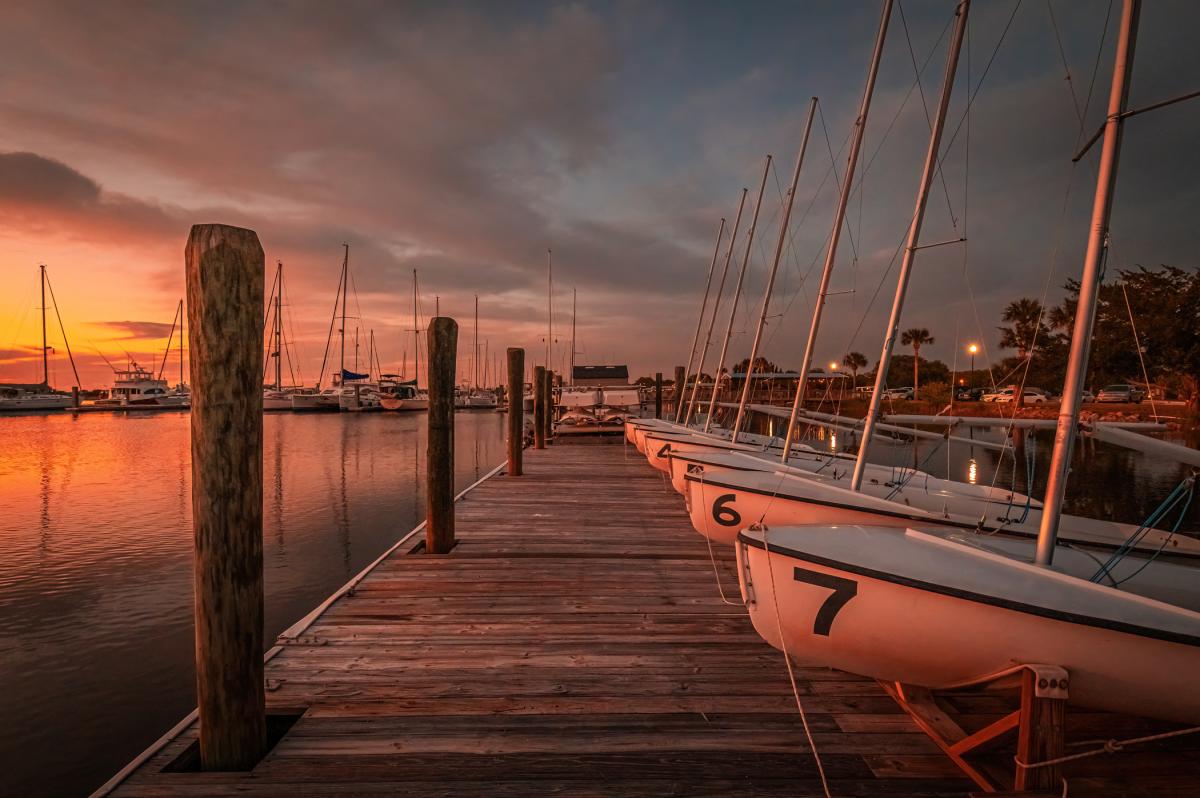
(439, 516)
(677, 398)
(1040, 737)
(74, 396)
(516, 410)
(548, 407)
(658, 394)
(224, 274)
(539, 407)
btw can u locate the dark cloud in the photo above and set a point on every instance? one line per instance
(134, 329)
(462, 140)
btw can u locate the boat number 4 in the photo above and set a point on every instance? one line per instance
(843, 590)
(723, 514)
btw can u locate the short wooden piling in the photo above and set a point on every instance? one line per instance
(539, 407)
(658, 394)
(548, 407)
(224, 274)
(1041, 736)
(680, 378)
(439, 516)
(516, 410)
(74, 396)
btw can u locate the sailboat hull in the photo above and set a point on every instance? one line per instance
(894, 625)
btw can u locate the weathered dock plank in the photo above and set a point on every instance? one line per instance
(572, 643)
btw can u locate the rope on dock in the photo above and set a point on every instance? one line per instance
(791, 675)
(1109, 747)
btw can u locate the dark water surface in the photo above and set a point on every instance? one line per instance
(1105, 482)
(96, 564)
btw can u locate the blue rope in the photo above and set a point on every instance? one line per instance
(908, 475)
(1184, 491)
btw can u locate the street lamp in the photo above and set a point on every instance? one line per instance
(972, 349)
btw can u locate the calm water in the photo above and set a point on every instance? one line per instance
(96, 575)
(96, 545)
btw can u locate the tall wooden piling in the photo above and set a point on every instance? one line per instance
(224, 273)
(680, 379)
(439, 516)
(539, 407)
(548, 407)
(516, 410)
(658, 394)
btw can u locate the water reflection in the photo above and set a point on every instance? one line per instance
(973, 471)
(96, 576)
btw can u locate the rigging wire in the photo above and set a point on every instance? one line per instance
(62, 330)
(925, 105)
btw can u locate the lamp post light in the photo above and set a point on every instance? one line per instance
(973, 349)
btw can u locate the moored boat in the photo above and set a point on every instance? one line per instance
(909, 607)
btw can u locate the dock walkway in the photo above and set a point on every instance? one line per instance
(573, 643)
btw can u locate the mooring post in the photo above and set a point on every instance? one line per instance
(548, 407)
(516, 410)
(74, 396)
(224, 274)
(539, 407)
(439, 471)
(680, 378)
(658, 394)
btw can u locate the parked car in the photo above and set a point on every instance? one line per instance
(970, 394)
(898, 393)
(1129, 394)
(1033, 396)
(1088, 397)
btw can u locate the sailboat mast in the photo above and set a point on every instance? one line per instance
(345, 290)
(475, 348)
(1089, 286)
(712, 322)
(910, 249)
(278, 326)
(783, 236)
(181, 321)
(839, 218)
(712, 267)
(549, 306)
(45, 349)
(574, 304)
(737, 295)
(416, 338)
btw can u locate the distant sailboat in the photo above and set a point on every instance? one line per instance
(39, 397)
(329, 399)
(407, 395)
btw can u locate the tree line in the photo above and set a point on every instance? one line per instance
(1147, 330)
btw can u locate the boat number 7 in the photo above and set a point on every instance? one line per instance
(843, 590)
(723, 514)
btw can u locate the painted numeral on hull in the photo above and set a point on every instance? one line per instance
(723, 514)
(843, 590)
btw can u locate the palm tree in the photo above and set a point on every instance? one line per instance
(855, 361)
(1026, 317)
(916, 338)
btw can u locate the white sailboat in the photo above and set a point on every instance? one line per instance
(927, 610)
(408, 395)
(21, 399)
(329, 399)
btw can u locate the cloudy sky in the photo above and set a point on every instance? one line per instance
(464, 139)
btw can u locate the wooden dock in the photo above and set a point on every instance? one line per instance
(573, 643)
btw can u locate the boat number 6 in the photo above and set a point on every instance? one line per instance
(843, 590)
(723, 514)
